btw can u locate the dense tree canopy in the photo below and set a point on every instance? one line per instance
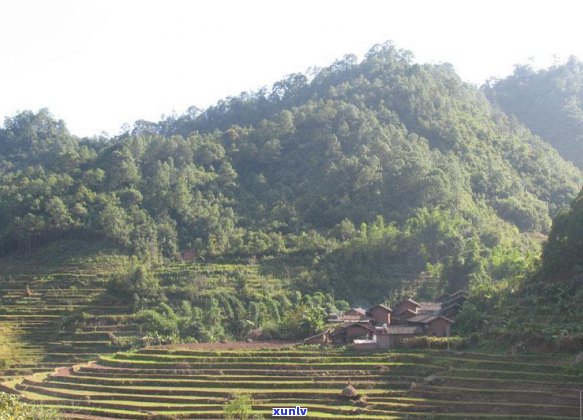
(549, 102)
(563, 253)
(380, 157)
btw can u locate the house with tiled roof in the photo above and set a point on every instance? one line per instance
(406, 305)
(391, 336)
(352, 315)
(355, 312)
(380, 314)
(433, 323)
(348, 332)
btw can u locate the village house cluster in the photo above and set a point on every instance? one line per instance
(384, 327)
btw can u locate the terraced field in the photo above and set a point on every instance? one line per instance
(54, 310)
(213, 278)
(195, 382)
(37, 310)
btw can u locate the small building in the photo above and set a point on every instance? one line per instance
(352, 315)
(347, 333)
(452, 310)
(429, 307)
(403, 317)
(355, 312)
(406, 305)
(433, 324)
(440, 327)
(459, 297)
(188, 255)
(452, 304)
(393, 335)
(381, 314)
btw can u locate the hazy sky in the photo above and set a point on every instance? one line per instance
(100, 63)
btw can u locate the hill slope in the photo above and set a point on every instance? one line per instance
(363, 156)
(549, 102)
(543, 308)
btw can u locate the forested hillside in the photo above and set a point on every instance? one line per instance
(374, 171)
(542, 308)
(549, 102)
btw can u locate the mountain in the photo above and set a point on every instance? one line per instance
(383, 157)
(549, 102)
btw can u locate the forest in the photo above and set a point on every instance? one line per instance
(379, 177)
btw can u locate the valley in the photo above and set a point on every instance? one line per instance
(174, 270)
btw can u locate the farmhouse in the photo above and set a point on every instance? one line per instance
(188, 255)
(356, 315)
(381, 314)
(433, 324)
(347, 333)
(393, 335)
(383, 327)
(402, 317)
(406, 305)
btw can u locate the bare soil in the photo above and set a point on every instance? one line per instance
(62, 371)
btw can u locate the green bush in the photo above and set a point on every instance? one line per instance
(164, 321)
(138, 286)
(239, 408)
(12, 408)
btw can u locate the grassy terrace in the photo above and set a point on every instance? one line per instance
(195, 383)
(40, 291)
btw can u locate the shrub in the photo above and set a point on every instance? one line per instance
(164, 323)
(12, 408)
(138, 286)
(239, 408)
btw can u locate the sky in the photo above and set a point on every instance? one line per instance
(100, 64)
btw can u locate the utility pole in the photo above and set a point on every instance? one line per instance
(580, 404)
